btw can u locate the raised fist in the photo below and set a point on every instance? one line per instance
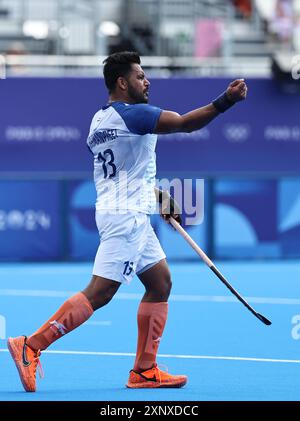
(237, 90)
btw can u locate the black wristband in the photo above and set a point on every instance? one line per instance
(222, 103)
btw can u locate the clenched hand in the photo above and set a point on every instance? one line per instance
(237, 90)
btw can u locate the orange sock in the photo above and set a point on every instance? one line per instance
(75, 311)
(152, 318)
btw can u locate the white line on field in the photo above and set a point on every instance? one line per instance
(99, 323)
(189, 357)
(133, 296)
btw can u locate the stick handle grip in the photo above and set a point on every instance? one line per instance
(191, 242)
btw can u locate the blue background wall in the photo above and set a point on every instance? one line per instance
(249, 158)
(44, 124)
(30, 220)
(257, 218)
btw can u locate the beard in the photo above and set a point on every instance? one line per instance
(138, 97)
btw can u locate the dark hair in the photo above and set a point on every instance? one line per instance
(118, 64)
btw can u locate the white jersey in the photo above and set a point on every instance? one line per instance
(123, 146)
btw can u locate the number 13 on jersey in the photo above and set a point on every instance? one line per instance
(107, 159)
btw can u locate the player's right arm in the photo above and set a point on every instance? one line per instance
(171, 122)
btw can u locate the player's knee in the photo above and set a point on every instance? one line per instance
(99, 296)
(106, 297)
(163, 290)
(167, 285)
(101, 299)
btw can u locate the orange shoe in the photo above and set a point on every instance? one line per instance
(153, 378)
(26, 361)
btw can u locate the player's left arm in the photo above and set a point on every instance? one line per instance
(171, 122)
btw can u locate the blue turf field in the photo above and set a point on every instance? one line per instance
(227, 353)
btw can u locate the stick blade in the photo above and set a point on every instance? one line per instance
(263, 319)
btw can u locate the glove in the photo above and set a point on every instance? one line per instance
(169, 207)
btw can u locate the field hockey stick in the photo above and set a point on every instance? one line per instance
(210, 264)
